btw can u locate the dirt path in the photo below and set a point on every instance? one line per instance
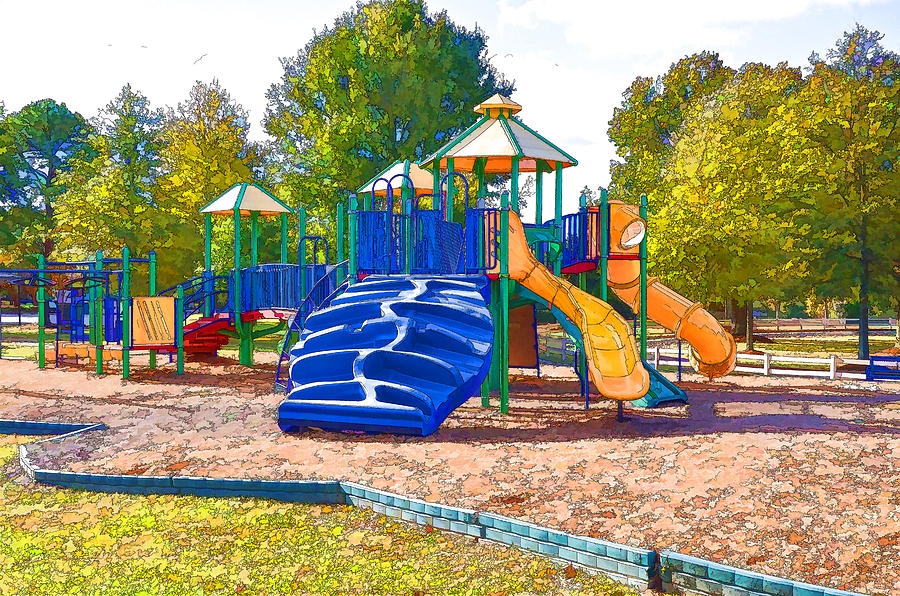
(800, 481)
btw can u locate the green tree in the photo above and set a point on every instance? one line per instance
(843, 128)
(108, 202)
(36, 145)
(646, 126)
(715, 233)
(206, 151)
(389, 80)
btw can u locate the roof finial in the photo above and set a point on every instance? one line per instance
(496, 105)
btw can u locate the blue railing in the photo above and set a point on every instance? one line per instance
(580, 240)
(270, 286)
(482, 242)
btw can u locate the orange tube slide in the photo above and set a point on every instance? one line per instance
(613, 360)
(713, 350)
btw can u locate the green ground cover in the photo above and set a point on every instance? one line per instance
(60, 541)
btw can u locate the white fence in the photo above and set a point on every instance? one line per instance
(768, 364)
(819, 324)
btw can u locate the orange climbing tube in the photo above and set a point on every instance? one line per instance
(713, 351)
(613, 361)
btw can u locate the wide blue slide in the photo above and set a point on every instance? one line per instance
(391, 354)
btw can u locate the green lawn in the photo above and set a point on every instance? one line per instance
(60, 541)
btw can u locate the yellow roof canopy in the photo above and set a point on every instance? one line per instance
(248, 198)
(423, 180)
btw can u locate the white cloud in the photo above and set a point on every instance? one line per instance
(609, 29)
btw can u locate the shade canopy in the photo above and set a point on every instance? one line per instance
(423, 180)
(498, 138)
(249, 198)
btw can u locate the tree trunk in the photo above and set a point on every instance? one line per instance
(749, 308)
(897, 339)
(777, 309)
(864, 313)
(738, 318)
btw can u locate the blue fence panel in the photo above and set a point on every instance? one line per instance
(452, 246)
(270, 286)
(482, 242)
(580, 240)
(112, 319)
(372, 251)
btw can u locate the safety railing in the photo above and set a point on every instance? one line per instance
(482, 243)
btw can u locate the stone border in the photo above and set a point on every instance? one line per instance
(639, 568)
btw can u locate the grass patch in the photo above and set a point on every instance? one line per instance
(60, 541)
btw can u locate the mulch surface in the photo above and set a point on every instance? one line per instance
(795, 477)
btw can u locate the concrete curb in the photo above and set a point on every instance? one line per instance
(640, 568)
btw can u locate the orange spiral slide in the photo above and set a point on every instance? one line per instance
(614, 362)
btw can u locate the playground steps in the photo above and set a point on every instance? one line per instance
(83, 350)
(390, 354)
(202, 336)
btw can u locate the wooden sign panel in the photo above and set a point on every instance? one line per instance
(153, 321)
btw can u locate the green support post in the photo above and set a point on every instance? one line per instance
(126, 312)
(41, 298)
(514, 184)
(207, 260)
(179, 331)
(301, 256)
(557, 218)
(604, 244)
(539, 193)
(451, 189)
(407, 237)
(245, 337)
(479, 173)
(643, 213)
(504, 303)
(352, 225)
(98, 315)
(339, 235)
(582, 353)
(152, 288)
(284, 255)
(436, 183)
(254, 238)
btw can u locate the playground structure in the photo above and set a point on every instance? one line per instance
(404, 343)
(425, 310)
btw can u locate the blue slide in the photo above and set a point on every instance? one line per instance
(391, 354)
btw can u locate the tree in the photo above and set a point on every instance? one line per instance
(845, 122)
(646, 126)
(388, 81)
(36, 144)
(206, 151)
(715, 234)
(109, 202)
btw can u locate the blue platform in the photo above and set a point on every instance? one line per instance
(391, 354)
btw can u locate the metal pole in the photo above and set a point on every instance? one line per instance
(301, 250)
(207, 263)
(254, 237)
(41, 297)
(539, 193)
(284, 224)
(353, 239)
(451, 189)
(644, 279)
(557, 265)
(98, 312)
(679, 360)
(514, 184)
(504, 302)
(604, 244)
(179, 331)
(152, 292)
(126, 313)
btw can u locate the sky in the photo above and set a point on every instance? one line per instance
(570, 59)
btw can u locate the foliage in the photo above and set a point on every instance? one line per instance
(646, 126)
(713, 229)
(36, 145)
(109, 200)
(388, 81)
(842, 133)
(206, 152)
(55, 541)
